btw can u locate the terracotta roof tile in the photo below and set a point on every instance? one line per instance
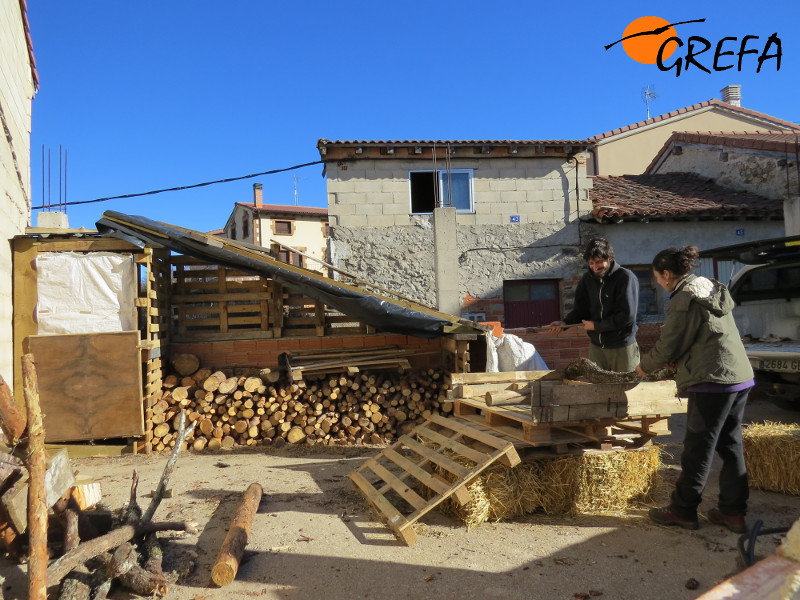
(453, 142)
(286, 210)
(709, 103)
(679, 196)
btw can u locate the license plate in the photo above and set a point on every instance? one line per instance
(783, 365)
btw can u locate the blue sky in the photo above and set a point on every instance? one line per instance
(148, 95)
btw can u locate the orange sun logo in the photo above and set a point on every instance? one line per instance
(645, 36)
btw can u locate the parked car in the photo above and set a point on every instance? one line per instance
(767, 313)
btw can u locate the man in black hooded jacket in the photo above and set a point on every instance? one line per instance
(606, 299)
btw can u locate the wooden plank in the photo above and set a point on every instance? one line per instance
(78, 374)
(507, 376)
(445, 442)
(762, 581)
(437, 485)
(460, 471)
(471, 432)
(395, 520)
(397, 484)
(25, 298)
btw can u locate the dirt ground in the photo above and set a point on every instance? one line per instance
(314, 535)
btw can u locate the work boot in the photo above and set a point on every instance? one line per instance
(735, 523)
(665, 516)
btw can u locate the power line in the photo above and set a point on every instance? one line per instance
(187, 187)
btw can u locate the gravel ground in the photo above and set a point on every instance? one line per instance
(315, 537)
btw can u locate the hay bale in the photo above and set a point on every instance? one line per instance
(606, 481)
(772, 456)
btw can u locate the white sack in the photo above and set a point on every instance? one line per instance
(511, 353)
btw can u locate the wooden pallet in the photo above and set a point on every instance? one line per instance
(516, 421)
(401, 482)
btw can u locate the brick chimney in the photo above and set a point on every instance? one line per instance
(732, 94)
(258, 197)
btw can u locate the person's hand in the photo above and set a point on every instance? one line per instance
(640, 372)
(556, 327)
(588, 325)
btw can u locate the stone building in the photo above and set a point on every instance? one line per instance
(18, 84)
(505, 232)
(767, 164)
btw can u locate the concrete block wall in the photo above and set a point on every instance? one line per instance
(264, 353)
(375, 193)
(16, 93)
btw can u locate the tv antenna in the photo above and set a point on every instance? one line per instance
(296, 179)
(648, 94)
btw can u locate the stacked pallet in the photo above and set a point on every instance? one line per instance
(249, 410)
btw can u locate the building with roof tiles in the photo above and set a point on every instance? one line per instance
(766, 163)
(18, 84)
(643, 214)
(296, 234)
(485, 229)
(628, 150)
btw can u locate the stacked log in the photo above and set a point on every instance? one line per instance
(333, 409)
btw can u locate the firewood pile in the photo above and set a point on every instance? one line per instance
(264, 408)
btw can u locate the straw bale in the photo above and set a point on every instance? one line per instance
(772, 456)
(606, 481)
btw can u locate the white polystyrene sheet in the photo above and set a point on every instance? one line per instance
(85, 293)
(512, 353)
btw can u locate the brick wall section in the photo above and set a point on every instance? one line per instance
(264, 353)
(561, 349)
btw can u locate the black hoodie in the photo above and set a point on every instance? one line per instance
(611, 302)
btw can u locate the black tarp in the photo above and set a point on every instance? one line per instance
(384, 314)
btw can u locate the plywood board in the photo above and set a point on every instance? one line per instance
(89, 385)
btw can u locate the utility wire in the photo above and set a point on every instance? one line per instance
(186, 187)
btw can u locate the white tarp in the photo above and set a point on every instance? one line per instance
(511, 353)
(85, 293)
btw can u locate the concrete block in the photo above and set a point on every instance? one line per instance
(503, 185)
(369, 209)
(396, 208)
(381, 221)
(511, 197)
(53, 219)
(489, 219)
(353, 220)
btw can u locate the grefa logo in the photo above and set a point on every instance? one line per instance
(653, 40)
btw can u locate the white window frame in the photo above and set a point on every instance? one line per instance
(441, 178)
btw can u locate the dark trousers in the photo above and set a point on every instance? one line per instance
(713, 423)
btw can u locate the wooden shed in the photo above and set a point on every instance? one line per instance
(102, 353)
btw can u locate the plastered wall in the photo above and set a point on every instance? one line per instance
(16, 93)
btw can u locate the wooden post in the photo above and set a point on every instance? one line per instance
(12, 415)
(227, 563)
(36, 461)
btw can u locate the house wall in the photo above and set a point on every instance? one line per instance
(376, 237)
(308, 236)
(16, 93)
(630, 153)
(754, 171)
(638, 243)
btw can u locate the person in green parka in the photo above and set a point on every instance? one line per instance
(700, 339)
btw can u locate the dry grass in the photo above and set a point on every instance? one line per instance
(772, 456)
(593, 482)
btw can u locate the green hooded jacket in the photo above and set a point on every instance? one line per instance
(700, 336)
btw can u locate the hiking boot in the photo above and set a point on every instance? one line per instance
(665, 516)
(735, 523)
